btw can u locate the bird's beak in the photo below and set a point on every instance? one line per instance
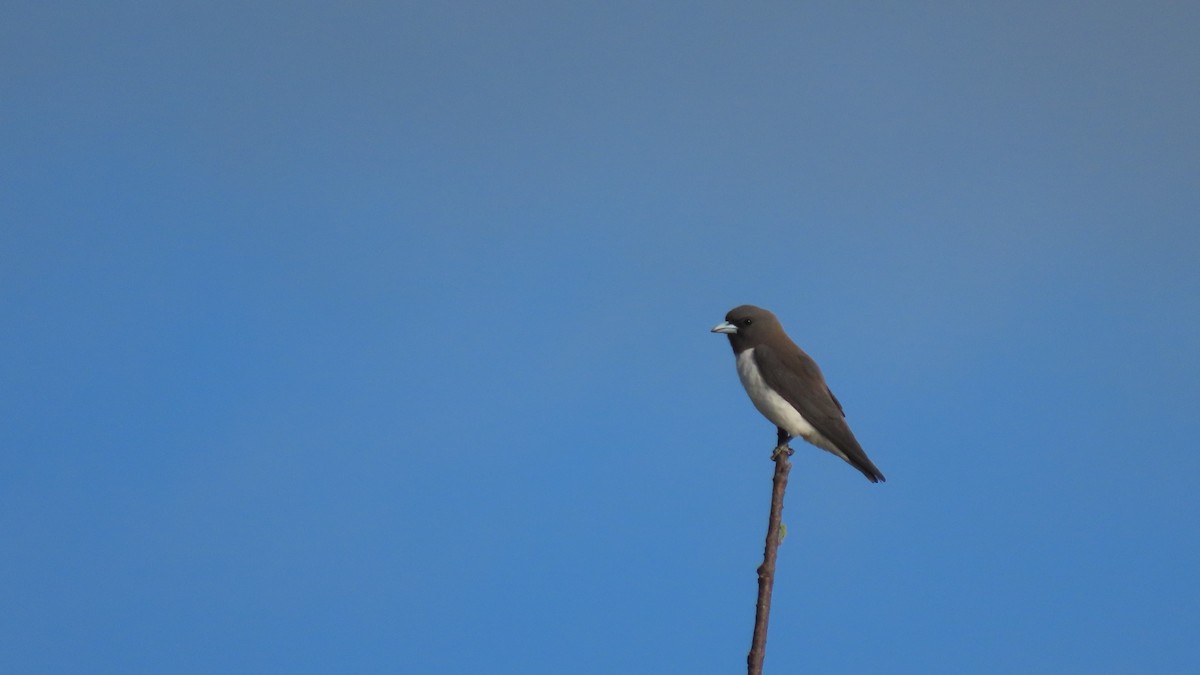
(725, 327)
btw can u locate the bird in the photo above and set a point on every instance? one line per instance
(787, 387)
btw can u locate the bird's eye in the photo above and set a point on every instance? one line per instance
(747, 322)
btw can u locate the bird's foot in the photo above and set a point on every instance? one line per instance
(781, 449)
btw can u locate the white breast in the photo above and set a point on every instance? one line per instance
(774, 407)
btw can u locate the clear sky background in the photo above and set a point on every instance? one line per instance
(373, 337)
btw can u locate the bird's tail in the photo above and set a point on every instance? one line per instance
(867, 468)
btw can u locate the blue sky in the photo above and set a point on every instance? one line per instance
(374, 337)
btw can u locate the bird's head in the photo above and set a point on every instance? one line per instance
(747, 326)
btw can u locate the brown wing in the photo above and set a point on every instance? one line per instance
(796, 377)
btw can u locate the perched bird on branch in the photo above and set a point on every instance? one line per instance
(787, 387)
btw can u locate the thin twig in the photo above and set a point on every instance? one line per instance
(766, 571)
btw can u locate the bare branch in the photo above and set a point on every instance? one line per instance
(766, 571)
